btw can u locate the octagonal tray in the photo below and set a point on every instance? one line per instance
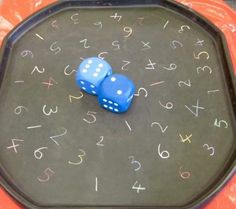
(174, 148)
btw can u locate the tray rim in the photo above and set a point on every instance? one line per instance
(59, 6)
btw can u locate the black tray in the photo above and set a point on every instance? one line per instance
(174, 148)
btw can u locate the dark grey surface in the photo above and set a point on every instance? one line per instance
(75, 185)
(232, 3)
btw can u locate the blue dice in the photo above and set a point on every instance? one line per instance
(90, 73)
(116, 93)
